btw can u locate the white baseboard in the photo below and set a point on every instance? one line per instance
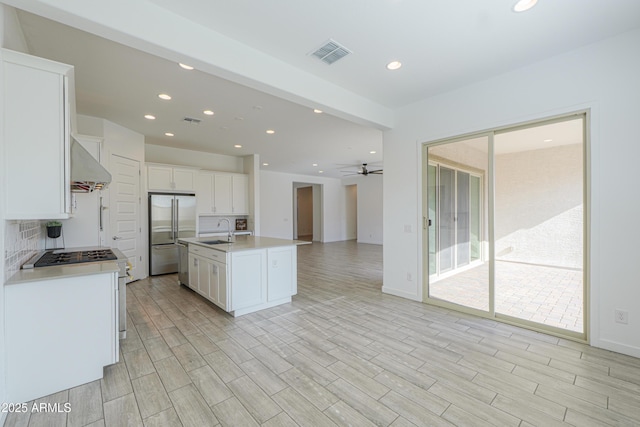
(400, 293)
(617, 347)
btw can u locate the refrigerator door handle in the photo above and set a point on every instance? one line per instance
(173, 220)
(177, 219)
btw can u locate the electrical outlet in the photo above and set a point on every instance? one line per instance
(622, 316)
(407, 228)
(409, 277)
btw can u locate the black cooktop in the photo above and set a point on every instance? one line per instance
(64, 258)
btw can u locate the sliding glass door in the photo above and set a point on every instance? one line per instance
(539, 224)
(455, 197)
(504, 224)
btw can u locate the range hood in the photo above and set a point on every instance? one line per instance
(87, 174)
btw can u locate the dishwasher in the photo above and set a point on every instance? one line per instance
(183, 264)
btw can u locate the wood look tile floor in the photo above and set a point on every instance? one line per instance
(341, 354)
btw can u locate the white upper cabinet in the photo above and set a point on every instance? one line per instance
(240, 194)
(169, 178)
(36, 105)
(204, 193)
(222, 194)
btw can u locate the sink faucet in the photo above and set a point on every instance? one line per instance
(229, 233)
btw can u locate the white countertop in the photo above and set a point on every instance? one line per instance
(62, 271)
(244, 243)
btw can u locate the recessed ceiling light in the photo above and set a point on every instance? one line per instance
(168, 134)
(524, 5)
(164, 96)
(320, 171)
(208, 112)
(394, 65)
(238, 146)
(315, 164)
(271, 131)
(265, 164)
(315, 110)
(548, 140)
(372, 152)
(185, 66)
(149, 117)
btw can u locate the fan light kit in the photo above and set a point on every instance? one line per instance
(363, 170)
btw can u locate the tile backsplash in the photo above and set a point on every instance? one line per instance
(22, 240)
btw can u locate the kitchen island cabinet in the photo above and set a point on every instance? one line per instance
(250, 274)
(208, 274)
(37, 101)
(61, 326)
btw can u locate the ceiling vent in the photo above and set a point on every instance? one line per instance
(191, 120)
(330, 52)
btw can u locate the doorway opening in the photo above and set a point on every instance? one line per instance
(307, 216)
(505, 222)
(351, 207)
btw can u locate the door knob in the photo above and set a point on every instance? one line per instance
(116, 237)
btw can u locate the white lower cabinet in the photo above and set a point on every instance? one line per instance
(244, 281)
(282, 272)
(208, 274)
(60, 333)
(218, 284)
(248, 278)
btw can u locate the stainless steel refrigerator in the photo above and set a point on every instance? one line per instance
(171, 216)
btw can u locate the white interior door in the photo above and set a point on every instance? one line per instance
(124, 210)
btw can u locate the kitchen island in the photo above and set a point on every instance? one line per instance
(250, 274)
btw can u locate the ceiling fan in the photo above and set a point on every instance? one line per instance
(364, 171)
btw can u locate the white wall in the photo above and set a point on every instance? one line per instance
(251, 166)
(602, 77)
(3, 392)
(11, 37)
(276, 205)
(369, 207)
(539, 206)
(199, 159)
